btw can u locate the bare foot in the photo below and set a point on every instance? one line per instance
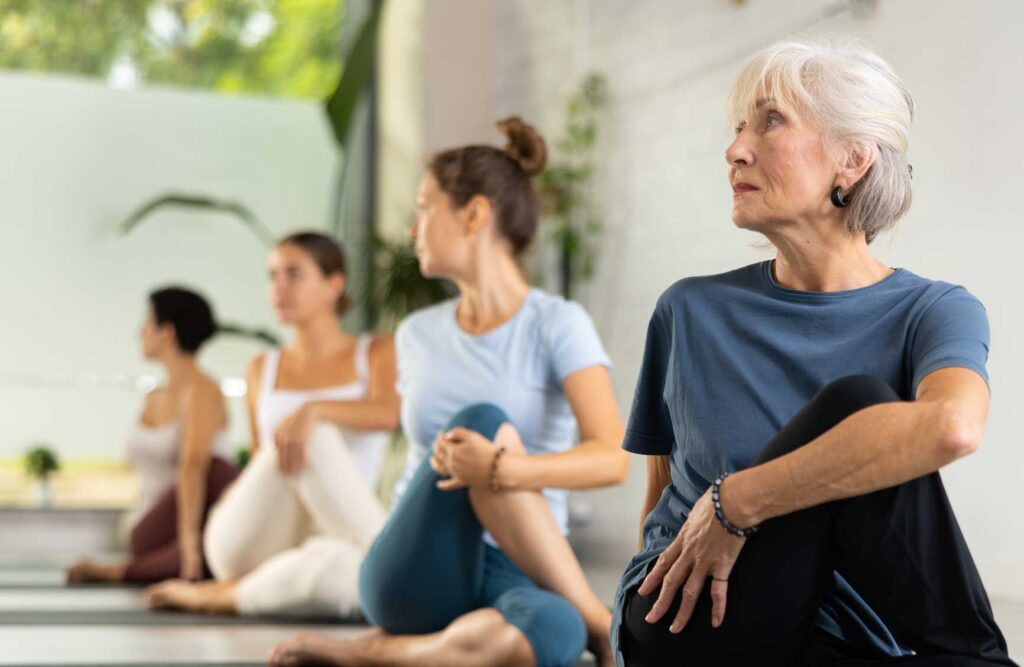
(311, 647)
(207, 597)
(85, 571)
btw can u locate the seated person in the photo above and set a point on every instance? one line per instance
(179, 449)
(289, 536)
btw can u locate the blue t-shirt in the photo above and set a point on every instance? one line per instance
(519, 367)
(731, 358)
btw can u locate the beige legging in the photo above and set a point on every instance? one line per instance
(295, 543)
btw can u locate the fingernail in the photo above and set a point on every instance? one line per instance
(648, 617)
(674, 628)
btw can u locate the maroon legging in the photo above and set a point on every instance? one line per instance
(154, 539)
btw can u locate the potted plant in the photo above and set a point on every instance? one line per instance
(566, 188)
(40, 463)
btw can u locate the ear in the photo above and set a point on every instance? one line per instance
(476, 214)
(168, 333)
(859, 159)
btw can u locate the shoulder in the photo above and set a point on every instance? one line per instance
(555, 314)
(255, 367)
(424, 320)
(381, 346)
(205, 392)
(699, 289)
(940, 296)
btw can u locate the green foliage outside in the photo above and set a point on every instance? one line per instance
(275, 47)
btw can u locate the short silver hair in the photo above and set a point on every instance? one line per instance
(856, 98)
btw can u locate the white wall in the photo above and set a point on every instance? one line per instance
(667, 205)
(77, 157)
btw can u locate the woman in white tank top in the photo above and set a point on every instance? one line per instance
(178, 449)
(290, 534)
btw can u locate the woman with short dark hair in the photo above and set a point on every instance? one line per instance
(179, 448)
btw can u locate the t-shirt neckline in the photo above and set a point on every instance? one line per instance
(805, 295)
(530, 295)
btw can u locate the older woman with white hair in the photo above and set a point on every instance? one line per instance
(831, 386)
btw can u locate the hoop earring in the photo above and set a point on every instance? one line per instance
(838, 201)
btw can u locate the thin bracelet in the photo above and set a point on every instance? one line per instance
(716, 489)
(494, 469)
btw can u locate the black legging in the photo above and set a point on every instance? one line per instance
(900, 548)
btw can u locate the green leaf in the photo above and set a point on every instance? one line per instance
(253, 333)
(359, 66)
(238, 210)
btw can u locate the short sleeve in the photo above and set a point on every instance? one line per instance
(573, 342)
(953, 332)
(649, 430)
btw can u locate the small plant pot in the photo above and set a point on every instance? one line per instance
(44, 494)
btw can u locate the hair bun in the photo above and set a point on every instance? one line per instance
(525, 145)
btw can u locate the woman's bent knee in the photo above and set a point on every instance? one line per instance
(856, 392)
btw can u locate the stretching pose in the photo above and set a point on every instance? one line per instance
(178, 448)
(288, 537)
(473, 567)
(832, 388)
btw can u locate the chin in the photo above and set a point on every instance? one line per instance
(744, 220)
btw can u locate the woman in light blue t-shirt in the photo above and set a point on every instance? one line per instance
(473, 566)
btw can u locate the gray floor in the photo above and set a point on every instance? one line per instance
(33, 592)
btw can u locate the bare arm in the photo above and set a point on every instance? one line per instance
(204, 416)
(597, 461)
(379, 411)
(252, 395)
(658, 477)
(875, 448)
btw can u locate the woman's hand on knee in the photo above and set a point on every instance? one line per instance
(292, 438)
(465, 457)
(702, 550)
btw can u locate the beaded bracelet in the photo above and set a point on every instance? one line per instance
(716, 487)
(494, 469)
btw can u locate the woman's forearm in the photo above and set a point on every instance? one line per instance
(591, 464)
(876, 448)
(365, 415)
(191, 492)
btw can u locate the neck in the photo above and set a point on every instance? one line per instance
(825, 259)
(319, 336)
(491, 294)
(181, 368)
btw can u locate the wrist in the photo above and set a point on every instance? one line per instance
(509, 473)
(737, 504)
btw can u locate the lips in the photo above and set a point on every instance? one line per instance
(740, 188)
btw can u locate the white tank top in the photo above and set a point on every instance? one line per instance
(367, 447)
(153, 451)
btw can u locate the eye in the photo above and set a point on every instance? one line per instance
(772, 119)
(739, 128)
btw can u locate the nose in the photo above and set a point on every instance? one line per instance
(739, 154)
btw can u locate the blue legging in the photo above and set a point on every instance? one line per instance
(429, 565)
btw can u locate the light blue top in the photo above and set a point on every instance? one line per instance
(731, 358)
(519, 367)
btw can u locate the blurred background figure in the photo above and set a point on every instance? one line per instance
(290, 535)
(178, 448)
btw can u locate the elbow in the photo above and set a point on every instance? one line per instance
(959, 434)
(619, 468)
